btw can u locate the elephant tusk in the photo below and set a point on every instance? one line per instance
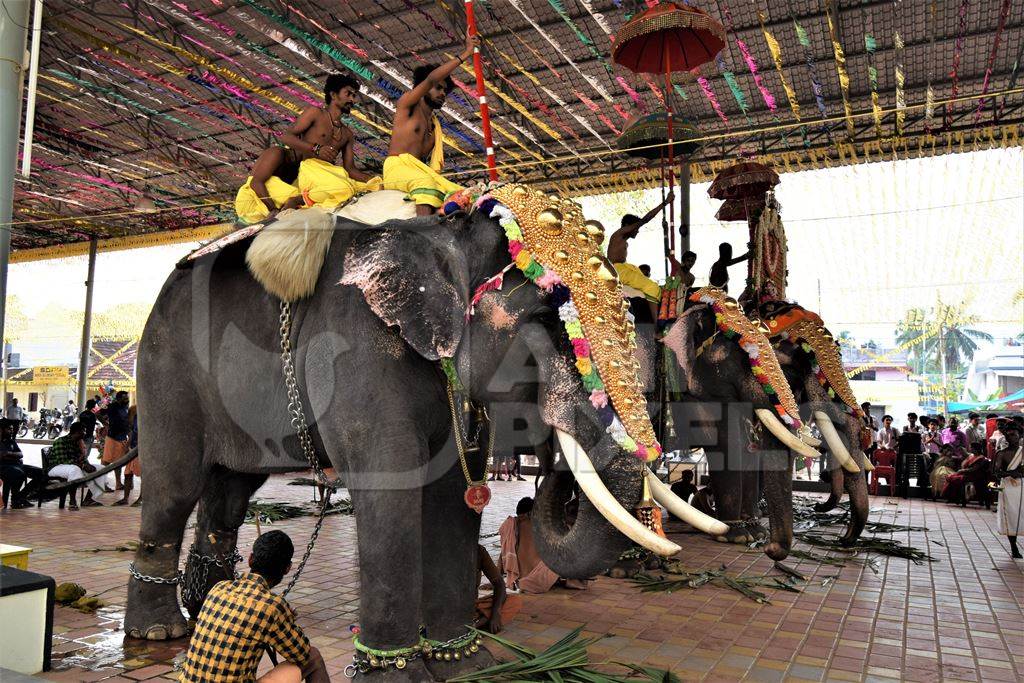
(602, 499)
(780, 432)
(835, 444)
(868, 466)
(683, 510)
(808, 439)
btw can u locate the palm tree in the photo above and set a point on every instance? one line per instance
(922, 330)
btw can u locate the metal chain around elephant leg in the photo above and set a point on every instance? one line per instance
(302, 431)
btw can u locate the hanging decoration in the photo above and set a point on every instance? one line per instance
(517, 4)
(1004, 12)
(768, 260)
(929, 97)
(776, 52)
(870, 45)
(958, 49)
(811, 62)
(705, 87)
(840, 59)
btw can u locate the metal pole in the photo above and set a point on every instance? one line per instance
(481, 93)
(13, 21)
(942, 361)
(33, 79)
(684, 205)
(83, 360)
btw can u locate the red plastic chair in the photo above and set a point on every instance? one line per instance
(884, 461)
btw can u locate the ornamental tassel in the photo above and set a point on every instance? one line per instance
(648, 511)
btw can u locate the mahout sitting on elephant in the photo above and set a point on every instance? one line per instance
(368, 333)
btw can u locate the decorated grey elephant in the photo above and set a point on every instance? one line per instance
(810, 358)
(512, 300)
(737, 404)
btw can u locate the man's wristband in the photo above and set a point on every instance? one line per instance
(316, 149)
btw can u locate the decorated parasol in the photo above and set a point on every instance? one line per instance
(644, 136)
(743, 180)
(663, 39)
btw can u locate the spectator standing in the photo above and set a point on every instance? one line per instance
(68, 460)
(88, 419)
(912, 426)
(887, 437)
(975, 433)
(1009, 467)
(15, 412)
(115, 445)
(132, 469)
(69, 413)
(932, 439)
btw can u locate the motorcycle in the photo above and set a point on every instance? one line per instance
(50, 425)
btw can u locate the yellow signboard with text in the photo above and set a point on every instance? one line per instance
(50, 374)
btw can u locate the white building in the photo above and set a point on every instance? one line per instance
(1000, 374)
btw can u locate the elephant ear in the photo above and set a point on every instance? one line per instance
(414, 278)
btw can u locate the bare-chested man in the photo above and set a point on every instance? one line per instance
(318, 136)
(416, 156)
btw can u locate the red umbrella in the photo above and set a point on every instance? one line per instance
(743, 180)
(668, 37)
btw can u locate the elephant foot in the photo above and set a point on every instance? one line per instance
(153, 612)
(758, 532)
(442, 670)
(826, 505)
(625, 569)
(739, 532)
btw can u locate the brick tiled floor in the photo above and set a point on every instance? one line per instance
(957, 619)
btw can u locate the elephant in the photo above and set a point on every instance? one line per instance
(388, 309)
(727, 410)
(810, 358)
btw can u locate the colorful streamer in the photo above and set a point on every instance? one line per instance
(870, 45)
(958, 50)
(710, 95)
(776, 52)
(840, 59)
(898, 70)
(812, 69)
(1004, 12)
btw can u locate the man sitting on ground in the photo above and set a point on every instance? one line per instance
(416, 138)
(68, 460)
(242, 618)
(519, 561)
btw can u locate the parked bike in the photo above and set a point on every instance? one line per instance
(50, 424)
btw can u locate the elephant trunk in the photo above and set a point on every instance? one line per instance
(603, 527)
(778, 491)
(857, 488)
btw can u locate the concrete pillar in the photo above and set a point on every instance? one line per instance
(83, 360)
(13, 25)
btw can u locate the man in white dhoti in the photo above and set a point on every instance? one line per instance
(1009, 468)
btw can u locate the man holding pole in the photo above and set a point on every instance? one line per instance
(416, 156)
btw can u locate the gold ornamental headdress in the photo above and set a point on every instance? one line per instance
(559, 252)
(764, 365)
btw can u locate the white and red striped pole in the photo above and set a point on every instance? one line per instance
(481, 93)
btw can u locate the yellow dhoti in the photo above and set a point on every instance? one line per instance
(328, 186)
(418, 181)
(251, 209)
(630, 276)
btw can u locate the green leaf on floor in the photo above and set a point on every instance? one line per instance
(564, 662)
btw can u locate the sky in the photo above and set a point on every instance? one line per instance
(866, 243)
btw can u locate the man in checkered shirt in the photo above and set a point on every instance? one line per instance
(241, 619)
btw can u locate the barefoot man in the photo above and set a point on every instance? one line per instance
(416, 136)
(317, 134)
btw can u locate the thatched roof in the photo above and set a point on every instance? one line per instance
(177, 98)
